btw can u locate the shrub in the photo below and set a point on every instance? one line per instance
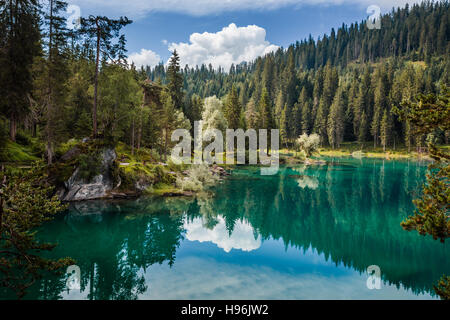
(23, 139)
(308, 144)
(199, 177)
(66, 146)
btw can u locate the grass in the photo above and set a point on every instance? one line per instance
(14, 152)
(162, 189)
(348, 148)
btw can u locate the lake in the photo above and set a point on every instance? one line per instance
(306, 233)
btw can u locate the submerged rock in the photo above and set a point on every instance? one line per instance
(77, 189)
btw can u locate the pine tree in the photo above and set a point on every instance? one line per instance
(336, 120)
(175, 80)
(359, 107)
(380, 104)
(233, 109)
(363, 128)
(265, 112)
(267, 77)
(279, 105)
(24, 207)
(19, 46)
(56, 70)
(320, 124)
(102, 30)
(305, 106)
(284, 126)
(385, 129)
(288, 83)
(251, 115)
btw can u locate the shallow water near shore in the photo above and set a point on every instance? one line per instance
(305, 233)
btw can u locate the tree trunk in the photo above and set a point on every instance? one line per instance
(132, 137)
(13, 128)
(50, 97)
(49, 153)
(48, 129)
(139, 137)
(97, 61)
(3, 184)
(165, 144)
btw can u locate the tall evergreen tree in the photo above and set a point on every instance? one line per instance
(175, 80)
(19, 46)
(233, 109)
(380, 104)
(386, 129)
(284, 126)
(305, 106)
(103, 30)
(363, 128)
(336, 120)
(56, 71)
(265, 111)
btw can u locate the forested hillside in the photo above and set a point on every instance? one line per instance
(342, 86)
(58, 84)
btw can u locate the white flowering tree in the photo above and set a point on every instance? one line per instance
(308, 144)
(213, 114)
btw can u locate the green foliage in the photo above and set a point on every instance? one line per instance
(102, 31)
(23, 139)
(89, 165)
(20, 44)
(13, 152)
(233, 109)
(24, 206)
(429, 114)
(66, 146)
(265, 112)
(175, 79)
(443, 288)
(336, 121)
(433, 209)
(145, 174)
(199, 178)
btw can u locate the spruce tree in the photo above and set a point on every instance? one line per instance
(284, 126)
(56, 71)
(265, 111)
(363, 128)
(303, 112)
(336, 120)
(175, 80)
(233, 109)
(386, 129)
(19, 46)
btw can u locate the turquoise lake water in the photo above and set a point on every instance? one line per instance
(306, 233)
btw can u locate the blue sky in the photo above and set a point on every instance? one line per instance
(259, 26)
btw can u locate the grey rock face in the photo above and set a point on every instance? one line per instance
(76, 189)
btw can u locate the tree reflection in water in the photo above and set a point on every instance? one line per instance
(348, 210)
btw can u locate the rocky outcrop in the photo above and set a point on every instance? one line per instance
(219, 171)
(100, 186)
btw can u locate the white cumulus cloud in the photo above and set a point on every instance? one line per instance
(144, 58)
(230, 45)
(139, 8)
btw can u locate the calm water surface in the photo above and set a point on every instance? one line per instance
(306, 233)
